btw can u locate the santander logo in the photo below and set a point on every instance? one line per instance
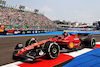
(76, 38)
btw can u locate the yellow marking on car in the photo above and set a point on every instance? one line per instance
(71, 45)
(35, 43)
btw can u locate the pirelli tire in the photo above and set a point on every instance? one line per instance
(15, 57)
(29, 42)
(90, 42)
(18, 47)
(52, 50)
(18, 58)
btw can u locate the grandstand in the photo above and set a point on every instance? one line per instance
(21, 20)
(63, 24)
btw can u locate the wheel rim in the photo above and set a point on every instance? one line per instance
(54, 50)
(93, 42)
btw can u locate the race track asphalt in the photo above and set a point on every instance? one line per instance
(7, 45)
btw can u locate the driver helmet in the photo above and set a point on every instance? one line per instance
(65, 34)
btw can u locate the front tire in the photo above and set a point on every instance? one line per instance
(14, 57)
(52, 49)
(29, 42)
(18, 58)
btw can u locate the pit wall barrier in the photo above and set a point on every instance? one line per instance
(43, 32)
(82, 32)
(12, 32)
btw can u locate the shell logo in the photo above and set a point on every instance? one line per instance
(35, 43)
(71, 45)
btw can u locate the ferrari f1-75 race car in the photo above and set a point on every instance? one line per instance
(51, 47)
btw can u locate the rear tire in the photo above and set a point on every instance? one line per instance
(90, 42)
(29, 42)
(52, 49)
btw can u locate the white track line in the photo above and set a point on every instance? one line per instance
(98, 43)
(12, 64)
(79, 52)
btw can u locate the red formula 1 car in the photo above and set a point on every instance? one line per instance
(51, 47)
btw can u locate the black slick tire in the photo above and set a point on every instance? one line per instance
(52, 49)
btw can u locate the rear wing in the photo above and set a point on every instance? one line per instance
(79, 33)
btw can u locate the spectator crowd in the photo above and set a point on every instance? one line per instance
(16, 19)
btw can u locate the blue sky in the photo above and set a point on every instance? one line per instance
(70, 10)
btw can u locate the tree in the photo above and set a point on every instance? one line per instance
(21, 7)
(36, 10)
